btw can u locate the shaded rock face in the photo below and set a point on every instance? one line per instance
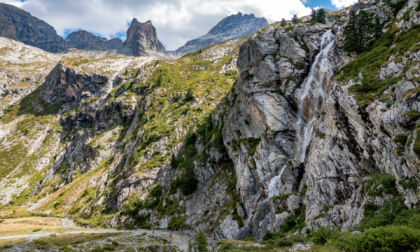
(142, 38)
(291, 128)
(234, 26)
(65, 85)
(84, 40)
(19, 25)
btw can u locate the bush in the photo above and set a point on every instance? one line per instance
(387, 239)
(189, 96)
(188, 181)
(400, 138)
(284, 242)
(392, 212)
(201, 242)
(176, 223)
(272, 236)
(379, 184)
(323, 234)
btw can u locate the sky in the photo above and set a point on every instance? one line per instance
(176, 21)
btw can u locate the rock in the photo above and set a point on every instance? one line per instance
(142, 39)
(19, 25)
(84, 40)
(64, 84)
(234, 26)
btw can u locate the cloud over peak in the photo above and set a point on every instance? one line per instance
(176, 21)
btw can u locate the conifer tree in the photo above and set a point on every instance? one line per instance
(350, 33)
(320, 16)
(360, 31)
(283, 22)
(201, 242)
(295, 19)
(313, 15)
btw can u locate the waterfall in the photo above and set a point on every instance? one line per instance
(310, 98)
(312, 94)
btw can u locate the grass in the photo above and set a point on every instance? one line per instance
(369, 63)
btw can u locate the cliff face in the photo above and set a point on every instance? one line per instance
(142, 38)
(84, 40)
(234, 26)
(278, 131)
(19, 25)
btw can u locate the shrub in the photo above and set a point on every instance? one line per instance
(400, 138)
(389, 238)
(323, 234)
(409, 184)
(284, 242)
(188, 181)
(176, 223)
(392, 212)
(379, 184)
(272, 235)
(416, 146)
(189, 96)
(201, 242)
(156, 191)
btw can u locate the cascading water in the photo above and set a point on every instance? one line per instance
(310, 99)
(312, 94)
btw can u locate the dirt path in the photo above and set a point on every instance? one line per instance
(177, 239)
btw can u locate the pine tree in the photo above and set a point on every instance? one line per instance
(360, 31)
(377, 27)
(350, 33)
(295, 19)
(313, 15)
(320, 16)
(189, 181)
(201, 242)
(283, 22)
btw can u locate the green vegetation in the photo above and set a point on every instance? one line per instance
(176, 223)
(320, 16)
(379, 184)
(200, 242)
(416, 146)
(401, 140)
(409, 184)
(369, 63)
(396, 4)
(359, 32)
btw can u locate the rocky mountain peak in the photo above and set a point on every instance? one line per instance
(142, 38)
(84, 40)
(233, 26)
(20, 25)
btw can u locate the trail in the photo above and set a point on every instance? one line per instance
(179, 240)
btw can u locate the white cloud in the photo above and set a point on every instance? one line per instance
(176, 21)
(343, 3)
(16, 3)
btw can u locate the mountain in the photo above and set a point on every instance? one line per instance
(84, 40)
(20, 25)
(142, 38)
(279, 139)
(234, 26)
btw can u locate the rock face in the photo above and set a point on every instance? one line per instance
(63, 84)
(234, 26)
(243, 137)
(19, 25)
(84, 40)
(142, 38)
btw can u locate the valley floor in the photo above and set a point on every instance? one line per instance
(57, 234)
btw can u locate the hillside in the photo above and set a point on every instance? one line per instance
(231, 27)
(277, 139)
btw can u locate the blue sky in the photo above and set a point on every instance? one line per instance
(320, 3)
(176, 21)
